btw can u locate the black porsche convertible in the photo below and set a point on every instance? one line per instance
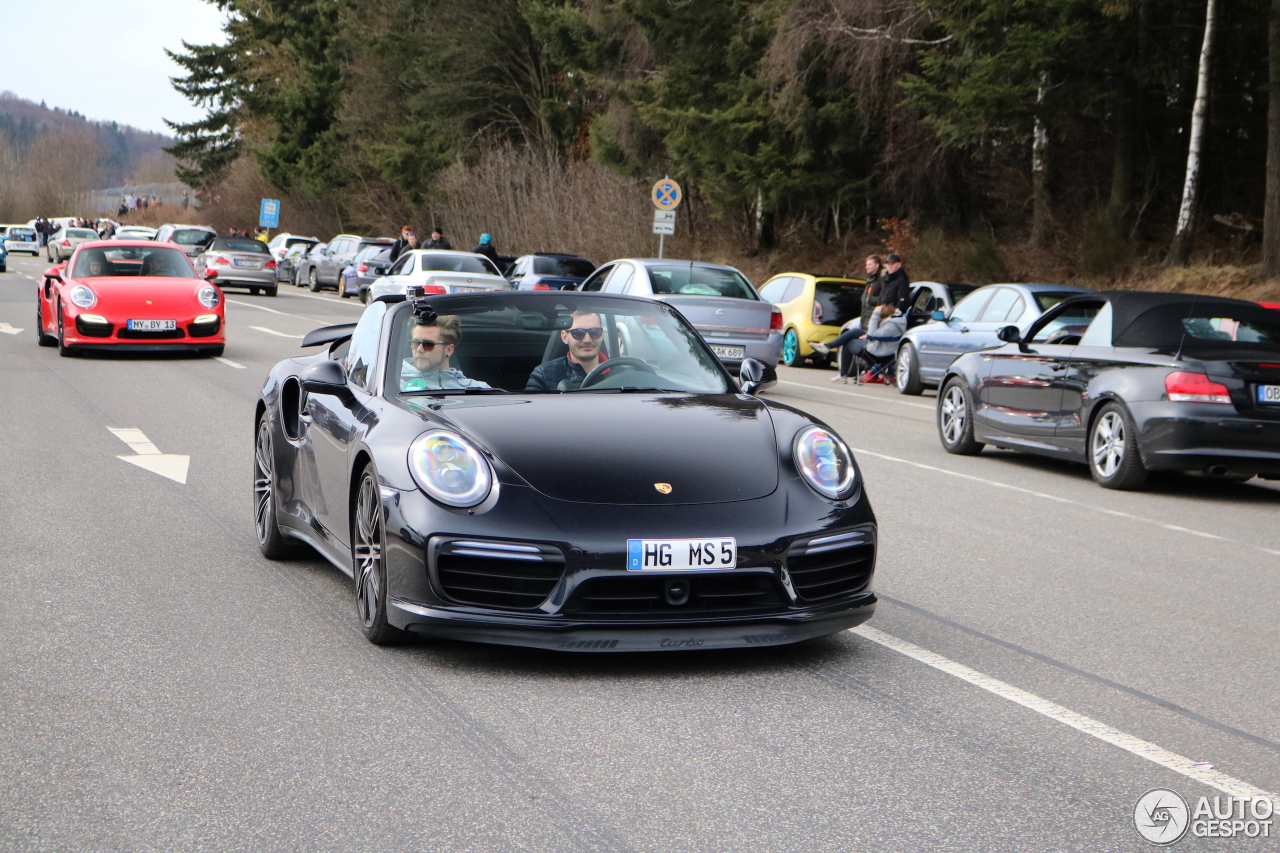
(559, 470)
(1127, 382)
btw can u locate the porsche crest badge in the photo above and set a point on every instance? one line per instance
(664, 488)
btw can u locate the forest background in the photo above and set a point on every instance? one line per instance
(984, 139)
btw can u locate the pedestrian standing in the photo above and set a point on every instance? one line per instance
(437, 240)
(42, 231)
(897, 286)
(487, 249)
(402, 242)
(875, 285)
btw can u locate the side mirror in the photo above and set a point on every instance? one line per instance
(327, 377)
(210, 273)
(938, 314)
(1009, 334)
(756, 376)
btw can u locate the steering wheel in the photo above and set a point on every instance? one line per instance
(596, 376)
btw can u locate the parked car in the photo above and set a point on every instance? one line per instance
(532, 518)
(549, 271)
(719, 301)
(1127, 383)
(63, 242)
(286, 266)
(925, 352)
(439, 271)
(134, 232)
(192, 239)
(370, 264)
(930, 296)
(4, 257)
(326, 269)
(239, 262)
(20, 238)
(283, 242)
(813, 310)
(305, 262)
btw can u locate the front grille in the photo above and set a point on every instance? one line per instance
(831, 566)
(721, 593)
(504, 575)
(165, 335)
(93, 330)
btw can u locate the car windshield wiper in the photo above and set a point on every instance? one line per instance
(440, 392)
(630, 389)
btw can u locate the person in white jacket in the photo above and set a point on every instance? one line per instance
(879, 342)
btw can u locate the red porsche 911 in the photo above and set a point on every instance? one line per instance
(129, 295)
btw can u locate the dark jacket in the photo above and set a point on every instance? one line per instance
(898, 287)
(398, 248)
(489, 252)
(442, 243)
(559, 375)
(871, 296)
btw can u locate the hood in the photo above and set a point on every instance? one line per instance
(157, 292)
(613, 448)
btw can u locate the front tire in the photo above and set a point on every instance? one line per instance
(955, 419)
(791, 348)
(367, 549)
(63, 349)
(1114, 458)
(43, 338)
(273, 544)
(908, 372)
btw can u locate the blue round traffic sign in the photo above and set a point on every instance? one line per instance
(667, 194)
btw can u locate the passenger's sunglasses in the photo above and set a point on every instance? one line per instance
(426, 345)
(579, 334)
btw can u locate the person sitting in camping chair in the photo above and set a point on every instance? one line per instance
(877, 348)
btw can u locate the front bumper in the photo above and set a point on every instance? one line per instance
(116, 335)
(1198, 436)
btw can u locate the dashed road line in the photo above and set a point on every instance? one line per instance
(336, 300)
(1199, 771)
(1059, 499)
(274, 311)
(228, 362)
(277, 334)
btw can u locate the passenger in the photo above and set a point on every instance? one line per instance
(566, 374)
(432, 342)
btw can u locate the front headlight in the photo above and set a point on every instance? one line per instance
(209, 296)
(82, 297)
(449, 468)
(825, 463)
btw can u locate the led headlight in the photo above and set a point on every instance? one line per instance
(208, 296)
(824, 462)
(82, 297)
(449, 468)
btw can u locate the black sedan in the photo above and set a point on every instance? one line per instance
(647, 503)
(1127, 383)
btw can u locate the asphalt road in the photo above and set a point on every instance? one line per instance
(1045, 652)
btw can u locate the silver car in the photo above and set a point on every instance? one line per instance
(239, 262)
(719, 301)
(191, 239)
(62, 243)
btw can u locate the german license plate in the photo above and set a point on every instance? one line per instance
(729, 352)
(253, 265)
(1269, 394)
(153, 325)
(682, 555)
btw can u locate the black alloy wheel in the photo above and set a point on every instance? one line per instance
(367, 549)
(908, 372)
(313, 281)
(1114, 458)
(43, 338)
(955, 419)
(273, 544)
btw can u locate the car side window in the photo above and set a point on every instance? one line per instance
(998, 308)
(1099, 332)
(597, 279)
(968, 309)
(773, 289)
(398, 267)
(619, 279)
(925, 302)
(794, 289)
(363, 354)
(409, 264)
(1015, 313)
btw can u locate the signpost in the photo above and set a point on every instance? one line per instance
(269, 213)
(666, 195)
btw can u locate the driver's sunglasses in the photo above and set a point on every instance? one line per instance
(426, 345)
(579, 334)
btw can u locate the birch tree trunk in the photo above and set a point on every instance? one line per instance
(1040, 174)
(1271, 225)
(1180, 251)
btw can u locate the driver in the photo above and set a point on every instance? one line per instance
(432, 341)
(566, 374)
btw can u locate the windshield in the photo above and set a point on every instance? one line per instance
(190, 237)
(440, 262)
(369, 253)
(224, 244)
(132, 260)
(514, 343)
(563, 267)
(1210, 325)
(835, 304)
(690, 280)
(21, 234)
(81, 234)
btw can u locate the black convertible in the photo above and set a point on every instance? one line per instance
(1128, 382)
(643, 502)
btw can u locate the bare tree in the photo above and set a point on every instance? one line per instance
(1180, 251)
(1040, 172)
(1271, 225)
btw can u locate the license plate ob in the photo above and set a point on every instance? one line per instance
(1269, 393)
(682, 555)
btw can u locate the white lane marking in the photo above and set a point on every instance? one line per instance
(1198, 771)
(8, 330)
(274, 311)
(274, 332)
(149, 457)
(336, 300)
(1058, 499)
(228, 362)
(854, 394)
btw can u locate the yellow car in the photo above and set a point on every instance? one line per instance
(813, 310)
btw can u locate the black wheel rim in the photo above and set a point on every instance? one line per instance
(263, 491)
(368, 552)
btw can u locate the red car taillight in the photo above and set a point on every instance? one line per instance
(775, 319)
(66, 242)
(1184, 387)
(269, 264)
(221, 260)
(542, 287)
(363, 268)
(433, 288)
